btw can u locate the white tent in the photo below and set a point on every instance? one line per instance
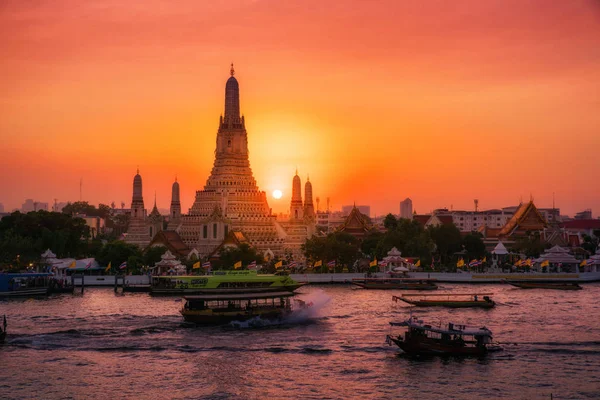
(500, 249)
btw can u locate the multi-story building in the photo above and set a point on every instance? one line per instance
(406, 208)
(31, 205)
(585, 214)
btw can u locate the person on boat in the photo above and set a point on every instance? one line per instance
(475, 297)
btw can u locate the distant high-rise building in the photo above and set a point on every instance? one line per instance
(406, 208)
(31, 205)
(366, 210)
(586, 214)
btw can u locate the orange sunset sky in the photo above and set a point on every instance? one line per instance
(441, 101)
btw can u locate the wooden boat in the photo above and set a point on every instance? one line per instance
(246, 281)
(3, 331)
(452, 300)
(215, 309)
(395, 283)
(523, 284)
(451, 340)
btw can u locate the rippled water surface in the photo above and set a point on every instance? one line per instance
(100, 345)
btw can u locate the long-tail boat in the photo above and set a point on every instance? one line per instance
(395, 283)
(216, 309)
(3, 331)
(524, 284)
(451, 340)
(453, 300)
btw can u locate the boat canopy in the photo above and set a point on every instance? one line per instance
(451, 330)
(444, 294)
(240, 296)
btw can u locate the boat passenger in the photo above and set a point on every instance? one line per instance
(475, 297)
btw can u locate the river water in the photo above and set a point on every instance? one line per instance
(100, 345)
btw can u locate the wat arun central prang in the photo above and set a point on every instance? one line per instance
(231, 204)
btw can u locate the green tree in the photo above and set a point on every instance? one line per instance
(473, 244)
(116, 252)
(447, 241)
(153, 254)
(390, 222)
(244, 253)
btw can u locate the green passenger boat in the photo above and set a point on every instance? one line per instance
(221, 282)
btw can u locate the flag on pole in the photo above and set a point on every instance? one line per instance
(293, 264)
(252, 265)
(460, 263)
(383, 264)
(196, 265)
(318, 263)
(206, 264)
(373, 263)
(418, 263)
(279, 264)
(72, 265)
(474, 263)
(545, 263)
(331, 264)
(484, 260)
(123, 265)
(237, 265)
(88, 265)
(583, 263)
(589, 261)
(108, 267)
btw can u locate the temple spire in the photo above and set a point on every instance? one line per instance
(232, 99)
(232, 71)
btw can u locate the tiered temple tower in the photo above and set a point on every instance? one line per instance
(138, 232)
(296, 208)
(175, 211)
(309, 208)
(231, 200)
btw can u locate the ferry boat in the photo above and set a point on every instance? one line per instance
(544, 285)
(395, 283)
(24, 285)
(246, 281)
(452, 340)
(216, 309)
(452, 300)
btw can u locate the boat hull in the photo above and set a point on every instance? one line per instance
(35, 292)
(451, 304)
(2, 337)
(436, 348)
(395, 286)
(545, 285)
(220, 318)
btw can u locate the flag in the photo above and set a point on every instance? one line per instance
(279, 264)
(373, 263)
(545, 263)
(196, 265)
(418, 263)
(474, 263)
(583, 263)
(206, 264)
(383, 263)
(589, 261)
(108, 267)
(252, 265)
(460, 263)
(519, 263)
(484, 260)
(88, 265)
(331, 264)
(528, 262)
(237, 265)
(293, 265)
(72, 265)
(123, 265)
(318, 263)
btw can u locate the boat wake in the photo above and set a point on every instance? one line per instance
(306, 309)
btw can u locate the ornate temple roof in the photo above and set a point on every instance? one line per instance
(356, 223)
(172, 241)
(526, 218)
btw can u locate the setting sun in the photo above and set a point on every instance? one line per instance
(277, 194)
